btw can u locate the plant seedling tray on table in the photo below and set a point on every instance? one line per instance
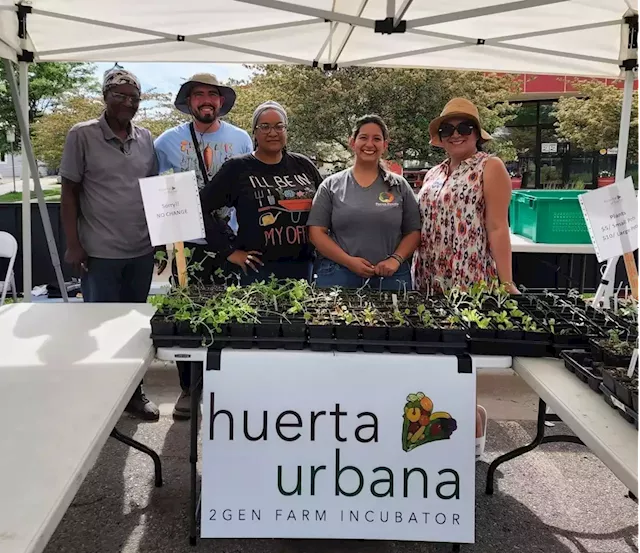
(582, 365)
(626, 412)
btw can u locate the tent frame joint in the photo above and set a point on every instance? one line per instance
(387, 26)
(325, 66)
(22, 12)
(631, 64)
(632, 21)
(26, 56)
(480, 42)
(180, 38)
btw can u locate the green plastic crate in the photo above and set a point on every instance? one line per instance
(549, 216)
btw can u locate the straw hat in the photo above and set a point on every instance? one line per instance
(457, 107)
(182, 99)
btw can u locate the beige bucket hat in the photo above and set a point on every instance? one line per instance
(456, 107)
(182, 99)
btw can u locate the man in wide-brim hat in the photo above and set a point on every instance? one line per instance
(202, 145)
(206, 101)
(205, 82)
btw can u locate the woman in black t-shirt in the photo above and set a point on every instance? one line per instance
(272, 191)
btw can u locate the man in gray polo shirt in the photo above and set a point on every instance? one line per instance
(102, 211)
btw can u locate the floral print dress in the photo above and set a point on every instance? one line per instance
(454, 249)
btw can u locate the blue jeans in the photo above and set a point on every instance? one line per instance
(118, 280)
(329, 273)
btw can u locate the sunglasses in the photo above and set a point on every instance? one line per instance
(465, 128)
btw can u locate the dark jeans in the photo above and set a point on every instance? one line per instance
(329, 273)
(281, 270)
(117, 280)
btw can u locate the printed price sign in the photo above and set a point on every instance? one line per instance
(172, 208)
(611, 214)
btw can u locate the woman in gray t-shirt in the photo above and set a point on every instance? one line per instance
(365, 221)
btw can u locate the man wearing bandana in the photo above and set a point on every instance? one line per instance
(106, 232)
(202, 145)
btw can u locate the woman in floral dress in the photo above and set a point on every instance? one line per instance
(464, 205)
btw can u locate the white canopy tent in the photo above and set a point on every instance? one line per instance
(595, 38)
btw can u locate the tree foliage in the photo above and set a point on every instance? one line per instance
(323, 106)
(49, 83)
(49, 132)
(592, 121)
(158, 114)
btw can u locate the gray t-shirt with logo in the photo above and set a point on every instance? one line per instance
(366, 222)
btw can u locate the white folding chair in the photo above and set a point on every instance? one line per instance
(9, 250)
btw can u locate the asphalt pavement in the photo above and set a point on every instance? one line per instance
(558, 498)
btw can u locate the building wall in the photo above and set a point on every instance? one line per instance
(6, 170)
(544, 160)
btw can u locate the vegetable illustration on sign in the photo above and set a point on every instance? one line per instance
(422, 425)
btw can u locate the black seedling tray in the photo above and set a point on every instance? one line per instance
(315, 344)
(627, 413)
(513, 348)
(449, 348)
(619, 385)
(577, 361)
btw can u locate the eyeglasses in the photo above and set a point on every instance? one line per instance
(265, 128)
(465, 128)
(119, 97)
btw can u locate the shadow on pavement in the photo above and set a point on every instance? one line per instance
(119, 511)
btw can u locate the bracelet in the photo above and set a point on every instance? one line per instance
(397, 257)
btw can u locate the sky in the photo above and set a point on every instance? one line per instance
(167, 77)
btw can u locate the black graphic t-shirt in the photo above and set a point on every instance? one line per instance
(272, 205)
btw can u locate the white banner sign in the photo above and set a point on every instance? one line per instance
(549, 147)
(319, 445)
(172, 208)
(611, 214)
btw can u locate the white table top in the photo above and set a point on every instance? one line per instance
(603, 431)
(66, 373)
(520, 244)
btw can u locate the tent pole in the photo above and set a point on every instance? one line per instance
(391, 8)
(605, 289)
(23, 123)
(23, 107)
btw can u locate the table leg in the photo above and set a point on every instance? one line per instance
(115, 433)
(196, 378)
(571, 260)
(539, 439)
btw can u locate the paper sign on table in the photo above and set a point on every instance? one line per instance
(172, 208)
(611, 214)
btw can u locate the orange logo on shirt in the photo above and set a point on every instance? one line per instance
(386, 197)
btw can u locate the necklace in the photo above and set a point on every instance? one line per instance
(203, 133)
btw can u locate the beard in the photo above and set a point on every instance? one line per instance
(206, 117)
